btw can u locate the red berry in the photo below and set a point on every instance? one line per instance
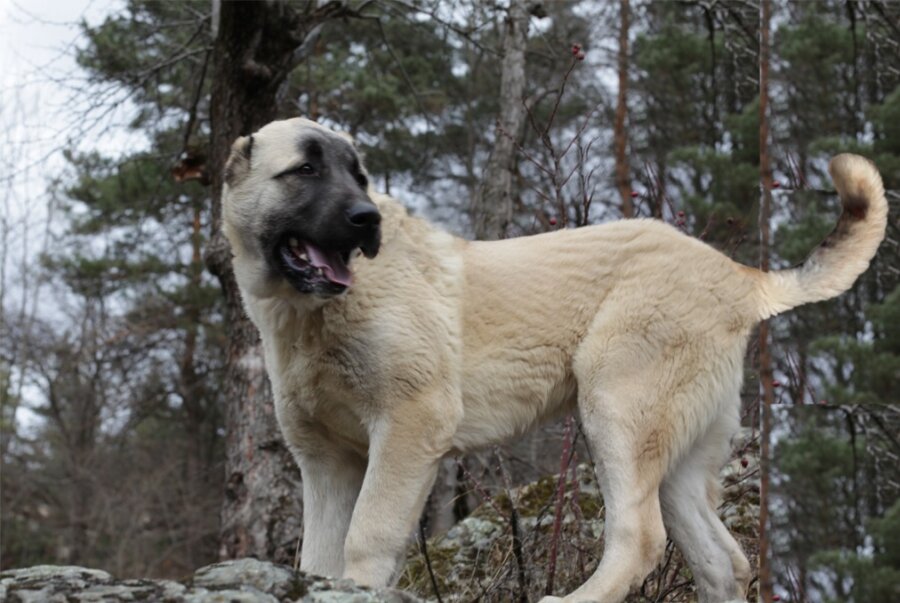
(552, 221)
(576, 48)
(776, 383)
(776, 598)
(635, 194)
(775, 184)
(579, 56)
(744, 463)
(681, 214)
(823, 401)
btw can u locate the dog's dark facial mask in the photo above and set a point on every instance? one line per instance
(323, 216)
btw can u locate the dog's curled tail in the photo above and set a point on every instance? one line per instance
(835, 264)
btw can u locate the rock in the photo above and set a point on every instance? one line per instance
(277, 580)
(238, 581)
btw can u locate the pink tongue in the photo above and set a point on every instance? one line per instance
(331, 263)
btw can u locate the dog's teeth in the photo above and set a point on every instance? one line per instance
(304, 257)
(293, 242)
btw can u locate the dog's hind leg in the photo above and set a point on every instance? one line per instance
(647, 392)
(629, 450)
(689, 497)
(739, 563)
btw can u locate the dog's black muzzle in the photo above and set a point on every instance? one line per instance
(364, 220)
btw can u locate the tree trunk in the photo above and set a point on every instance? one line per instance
(261, 513)
(79, 511)
(623, 182)
(658, 199)
(765, 357)
(192, 386)
(492, 206)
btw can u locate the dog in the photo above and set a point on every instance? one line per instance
(391, 344)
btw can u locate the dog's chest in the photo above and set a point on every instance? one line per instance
(332, 381)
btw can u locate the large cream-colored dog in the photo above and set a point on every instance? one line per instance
(391, 344)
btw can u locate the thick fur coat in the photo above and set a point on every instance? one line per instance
(442, 345)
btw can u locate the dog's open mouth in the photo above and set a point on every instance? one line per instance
(316, 266)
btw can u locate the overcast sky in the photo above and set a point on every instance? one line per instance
(41, 112)
(37, 66)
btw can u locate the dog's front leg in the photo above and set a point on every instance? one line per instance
(331, 483)
(332, 475)
(404, 454)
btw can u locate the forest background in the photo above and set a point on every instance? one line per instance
(132, 440)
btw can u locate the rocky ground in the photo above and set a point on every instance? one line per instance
(239, 581)
(502, 552)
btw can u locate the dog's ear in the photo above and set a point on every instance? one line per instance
(347, 136)
(238, 165)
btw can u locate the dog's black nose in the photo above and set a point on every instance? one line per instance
(364, 214)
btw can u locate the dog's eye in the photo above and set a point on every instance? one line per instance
(307, 169)
(362, 180)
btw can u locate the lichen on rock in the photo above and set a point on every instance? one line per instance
(238, 581)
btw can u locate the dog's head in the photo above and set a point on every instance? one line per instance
(296, 209)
